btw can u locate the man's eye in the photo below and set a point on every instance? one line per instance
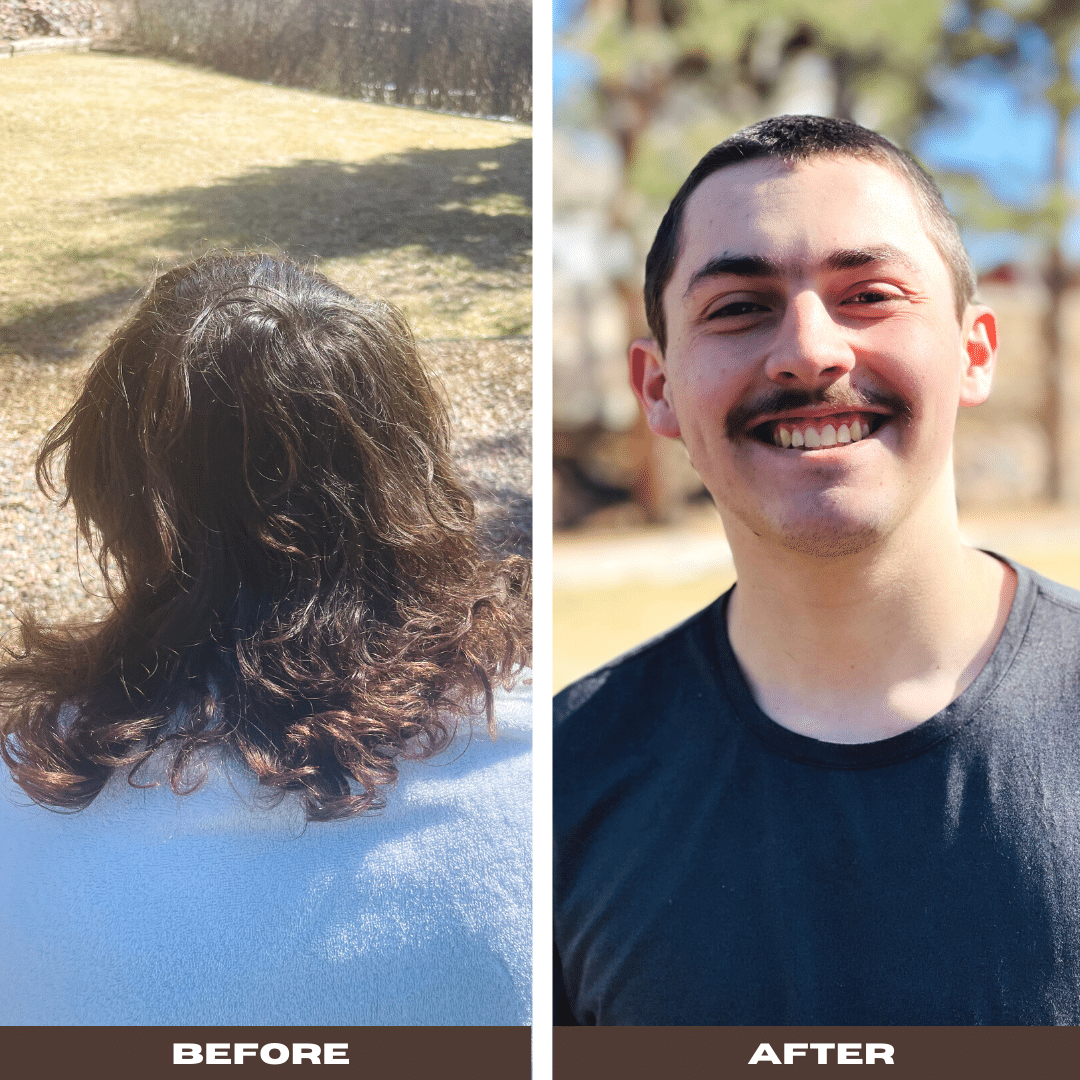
(871, 296)
(739, 307)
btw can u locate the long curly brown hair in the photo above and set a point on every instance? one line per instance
(262, 467)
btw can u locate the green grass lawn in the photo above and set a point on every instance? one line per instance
(115, 166)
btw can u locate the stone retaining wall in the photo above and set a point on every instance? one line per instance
(50, 19)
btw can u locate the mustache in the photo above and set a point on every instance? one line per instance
(744, 416)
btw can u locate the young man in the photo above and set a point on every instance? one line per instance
(848, 792)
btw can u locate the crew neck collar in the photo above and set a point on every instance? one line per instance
(907, 744)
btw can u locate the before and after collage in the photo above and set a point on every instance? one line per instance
(540, 539)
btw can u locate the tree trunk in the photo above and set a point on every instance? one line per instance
(1056, 281)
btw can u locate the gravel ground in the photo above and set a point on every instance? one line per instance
(38, 567)
(489, 386)
(488, 383)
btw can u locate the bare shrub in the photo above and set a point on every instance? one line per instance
(466, 56)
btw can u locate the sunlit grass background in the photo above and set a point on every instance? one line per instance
(114, 164)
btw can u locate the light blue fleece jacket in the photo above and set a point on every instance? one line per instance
(148, 908)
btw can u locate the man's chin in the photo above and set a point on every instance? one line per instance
(823, 534)
(829, 543)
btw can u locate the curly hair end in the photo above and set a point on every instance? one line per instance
(263, 468)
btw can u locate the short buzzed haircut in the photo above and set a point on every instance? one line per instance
(794, 139)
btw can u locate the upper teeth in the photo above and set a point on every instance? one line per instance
(810, 436)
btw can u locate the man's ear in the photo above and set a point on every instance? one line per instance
(649, 380)
(981, 346)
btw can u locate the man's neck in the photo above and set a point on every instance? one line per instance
(861, 647)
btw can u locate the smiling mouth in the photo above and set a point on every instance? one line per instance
(819, 433)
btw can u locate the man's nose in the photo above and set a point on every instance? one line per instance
(809, 346)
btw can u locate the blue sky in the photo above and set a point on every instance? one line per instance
(1001, 128)
(997, 127)
(569, 70)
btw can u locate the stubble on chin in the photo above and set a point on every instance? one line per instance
(829, 543)
(822, 523)
(822, 535)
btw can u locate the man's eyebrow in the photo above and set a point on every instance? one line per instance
(752, 266)
(756, 266)
(853, 258)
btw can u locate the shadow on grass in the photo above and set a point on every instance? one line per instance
(333, 210)
(52, 333)
(463, 203)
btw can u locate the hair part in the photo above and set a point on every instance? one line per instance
(263, 468)
(795, 139)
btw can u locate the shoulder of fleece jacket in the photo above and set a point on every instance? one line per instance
(148, 908)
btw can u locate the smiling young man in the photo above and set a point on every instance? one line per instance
(848, 792)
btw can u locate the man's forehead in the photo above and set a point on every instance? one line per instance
(780, 211)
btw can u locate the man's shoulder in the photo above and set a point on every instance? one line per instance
(1034, 671)
(1051, 633)
(634, 713)
(1063, 596)
(647, 669)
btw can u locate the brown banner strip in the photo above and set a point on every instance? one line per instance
(895, 1053)
(419, 1053)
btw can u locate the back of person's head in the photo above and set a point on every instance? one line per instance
(793, 140)
(263, 468)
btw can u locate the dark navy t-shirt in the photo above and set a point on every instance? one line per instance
(713, 867)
